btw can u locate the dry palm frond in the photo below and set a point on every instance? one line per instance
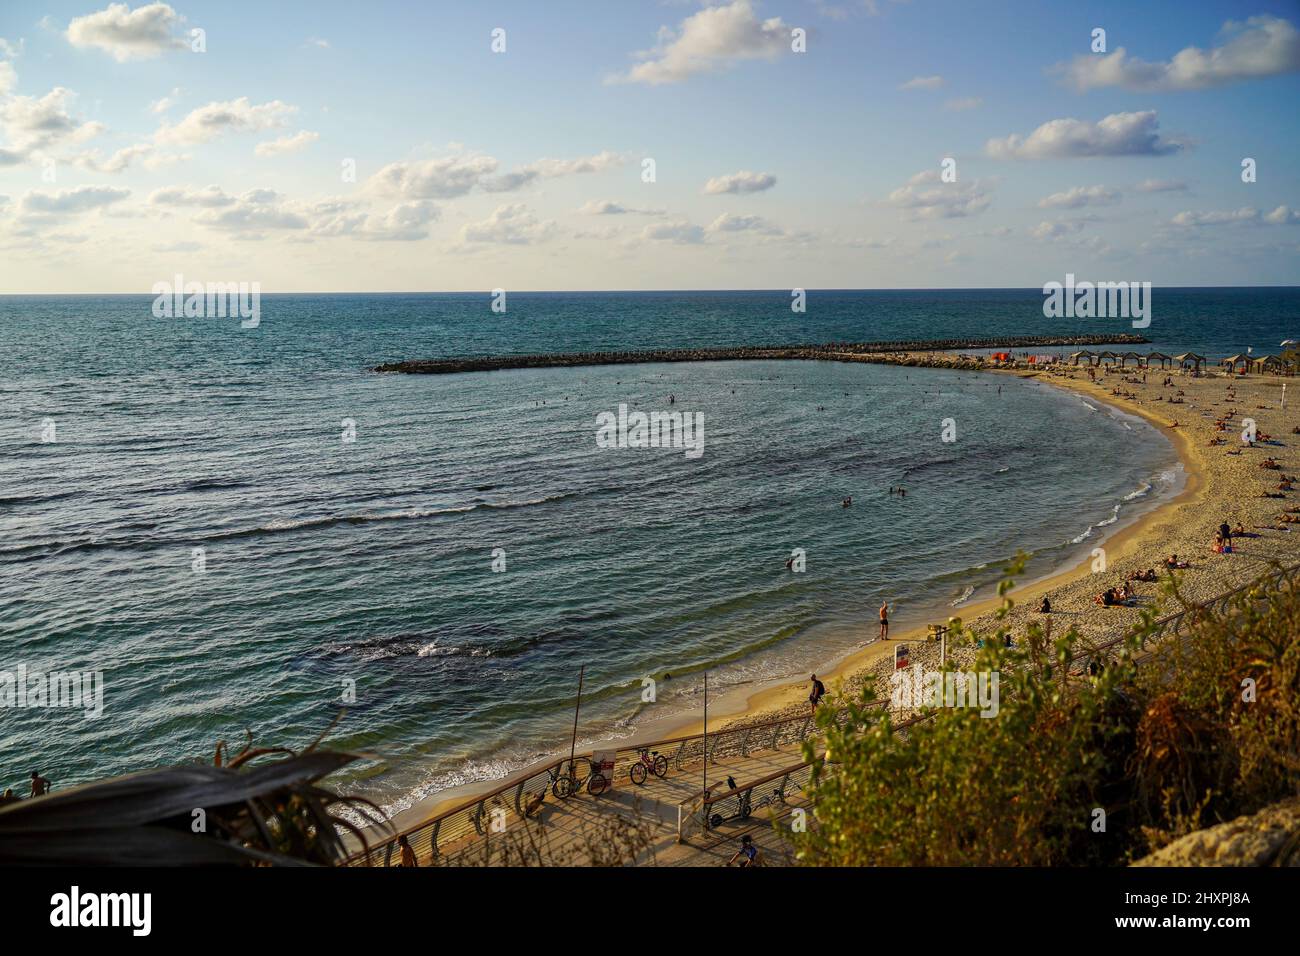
(238, 814)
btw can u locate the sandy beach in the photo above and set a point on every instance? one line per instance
(1224, 483)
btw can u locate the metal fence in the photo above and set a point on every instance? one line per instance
(523, 794)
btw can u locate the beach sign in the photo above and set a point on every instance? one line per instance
(900, 657)
(602, 761)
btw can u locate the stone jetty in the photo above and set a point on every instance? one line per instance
(893, 353)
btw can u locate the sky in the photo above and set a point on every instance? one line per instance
(633, 144)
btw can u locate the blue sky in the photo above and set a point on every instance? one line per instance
(126, 156)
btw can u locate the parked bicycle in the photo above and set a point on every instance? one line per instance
(565, 785)
(744, 807)
(650, 762)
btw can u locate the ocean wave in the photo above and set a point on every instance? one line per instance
(1141, 492)
(274, 526)
(964, 596)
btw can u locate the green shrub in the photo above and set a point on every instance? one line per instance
(1160, 740)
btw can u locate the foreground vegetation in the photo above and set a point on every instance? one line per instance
(1090, 769)
(263, 806)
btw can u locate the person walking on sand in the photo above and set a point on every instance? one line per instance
(817, 693)
(884, 621)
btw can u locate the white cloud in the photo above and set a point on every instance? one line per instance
(926, 196)
(287, 144)
(254, 210)
(678, 231)
(607, 207)
(67, 202)
(1246, 215)
(963, 103)
(1080, 196)
(511, 225)
(1120, 134)
(209, 196)
(1262, 46)
(741, 182)
(127, 34)
(707, 41)
(732, 223)
(443, 178)
(32, 123)
(1190, 218)
(552, 168)
(404, 222)
(1283, 216)
(214, 119)
(166, 103)
(548, 168)
(8, 78)
(1056, 229)
(1161, 186)
(450, 176)
(121, 160)
(922, 83)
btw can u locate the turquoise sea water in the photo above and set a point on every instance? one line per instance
(332, 563)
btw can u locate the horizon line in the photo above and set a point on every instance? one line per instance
(781, 289)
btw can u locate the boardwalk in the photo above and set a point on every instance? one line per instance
(563, 831)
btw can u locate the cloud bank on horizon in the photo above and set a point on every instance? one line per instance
(725, 144)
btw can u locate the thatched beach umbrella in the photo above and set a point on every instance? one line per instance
(1107, 355)
(1160, 357)
(1190, 358)
(1233, 360)
(1082, 353)
(1125, 356)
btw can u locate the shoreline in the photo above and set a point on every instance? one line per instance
(766, 703)
(1123, 541)
(1139, 538)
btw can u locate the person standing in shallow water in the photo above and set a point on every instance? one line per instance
(884, 620)
(40, 786)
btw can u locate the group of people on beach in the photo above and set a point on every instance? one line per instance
(1119, 596)
(40, 786)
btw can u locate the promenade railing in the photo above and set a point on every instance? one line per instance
(522, 794)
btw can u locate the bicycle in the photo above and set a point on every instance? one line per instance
(745, 807)
(649, 762)
(566, 785)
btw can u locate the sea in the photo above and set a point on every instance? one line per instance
(249, 531)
